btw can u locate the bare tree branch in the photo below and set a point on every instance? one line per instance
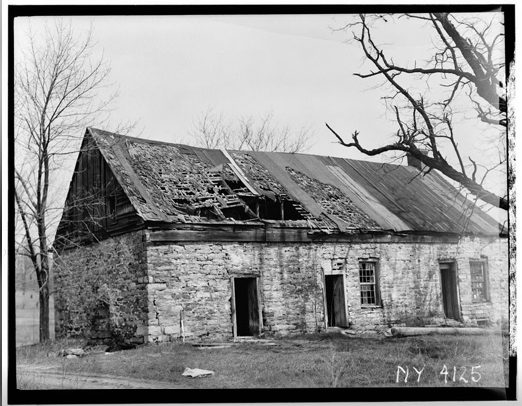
(463, 59)
(211, 130)
(57, 83)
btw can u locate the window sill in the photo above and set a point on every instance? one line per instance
(371, 307)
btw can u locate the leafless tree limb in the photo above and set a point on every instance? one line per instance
(464, 59)
(211, 130)
(57, 86)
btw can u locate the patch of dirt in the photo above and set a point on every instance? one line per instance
(52, 378)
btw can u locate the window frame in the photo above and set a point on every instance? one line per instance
(485, 296)
(375, 283)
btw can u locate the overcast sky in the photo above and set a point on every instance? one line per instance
(170, 69)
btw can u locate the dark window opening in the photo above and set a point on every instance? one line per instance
(479, 285)
(246, 306)
(270, 209)
(292, 210)
(238, 212)
(235, 184)
(111, 206)
(368, 282)
(252, 202)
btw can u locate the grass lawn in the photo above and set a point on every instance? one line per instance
(322, 360)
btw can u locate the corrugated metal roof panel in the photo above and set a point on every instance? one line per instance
(421, 200)
(317, 167)
(312, 167)
(483, 222)
(213, 156)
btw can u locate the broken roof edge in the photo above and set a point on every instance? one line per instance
(178, 144)
(147, 140)
(181, 217)
(280, 225)
(267, 233)
(119, 152)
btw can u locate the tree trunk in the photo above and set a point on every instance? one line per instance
(44, 313)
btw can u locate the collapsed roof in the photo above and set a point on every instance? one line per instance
(174, 183)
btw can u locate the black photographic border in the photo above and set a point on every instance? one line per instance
(16, 396)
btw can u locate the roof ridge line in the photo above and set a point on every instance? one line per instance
(157, 142)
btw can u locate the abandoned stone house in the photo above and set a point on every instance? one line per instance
(163, 241)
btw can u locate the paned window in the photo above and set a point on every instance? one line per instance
(479, 280)
(368, 280)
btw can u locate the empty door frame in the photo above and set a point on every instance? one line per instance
(450, 269)
(233, 303)
(325, 300)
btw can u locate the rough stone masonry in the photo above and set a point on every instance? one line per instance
(142, 290)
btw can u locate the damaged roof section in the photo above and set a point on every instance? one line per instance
(171, 183)
(184, 183)
(276, 202)
(175, 183)
(334, 202)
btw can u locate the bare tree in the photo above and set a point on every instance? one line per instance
(57, 81)
(211, 130)
(467, 66)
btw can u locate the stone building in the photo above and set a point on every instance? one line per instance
(160, 241)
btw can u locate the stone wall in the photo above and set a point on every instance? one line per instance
(192, 281)
(196, 279)
(410, 283)
(101, 290)
(163, 291)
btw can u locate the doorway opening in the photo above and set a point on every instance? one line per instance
(246, 307)
(450, 300)
(101, 321)
(335, 303)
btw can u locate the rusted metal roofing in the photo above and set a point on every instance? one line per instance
(178, 183)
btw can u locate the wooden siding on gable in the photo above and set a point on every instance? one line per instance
(96, 206)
